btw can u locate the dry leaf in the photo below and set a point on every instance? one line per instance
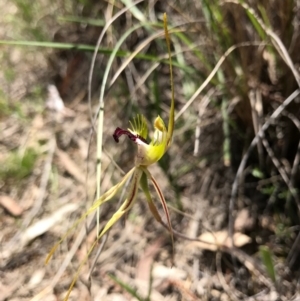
(243, 221)
(267, 222)
(36, 278)
(54, 101)
(162, 272)
(145, 262)
(11, 205)
(42, 226)
(70, 166)
(212, 241)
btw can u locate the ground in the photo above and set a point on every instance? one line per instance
(48, 168)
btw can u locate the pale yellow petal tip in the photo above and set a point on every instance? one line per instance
(159, 124)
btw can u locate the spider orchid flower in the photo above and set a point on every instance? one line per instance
(148, 153)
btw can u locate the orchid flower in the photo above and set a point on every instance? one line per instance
(148, 153)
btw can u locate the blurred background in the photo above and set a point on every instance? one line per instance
(236, 74)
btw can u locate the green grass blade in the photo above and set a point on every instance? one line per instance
(91, 48)
(267, 259)
(101, 108)
(101, 103)
(127, 288)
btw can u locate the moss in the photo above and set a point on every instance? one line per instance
(18, 165)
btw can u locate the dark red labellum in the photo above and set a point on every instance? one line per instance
(119, 132)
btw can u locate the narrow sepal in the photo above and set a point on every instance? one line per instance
(163, 203)
(127, 203)
(145, 188)
(104, 198)
(121, 211)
